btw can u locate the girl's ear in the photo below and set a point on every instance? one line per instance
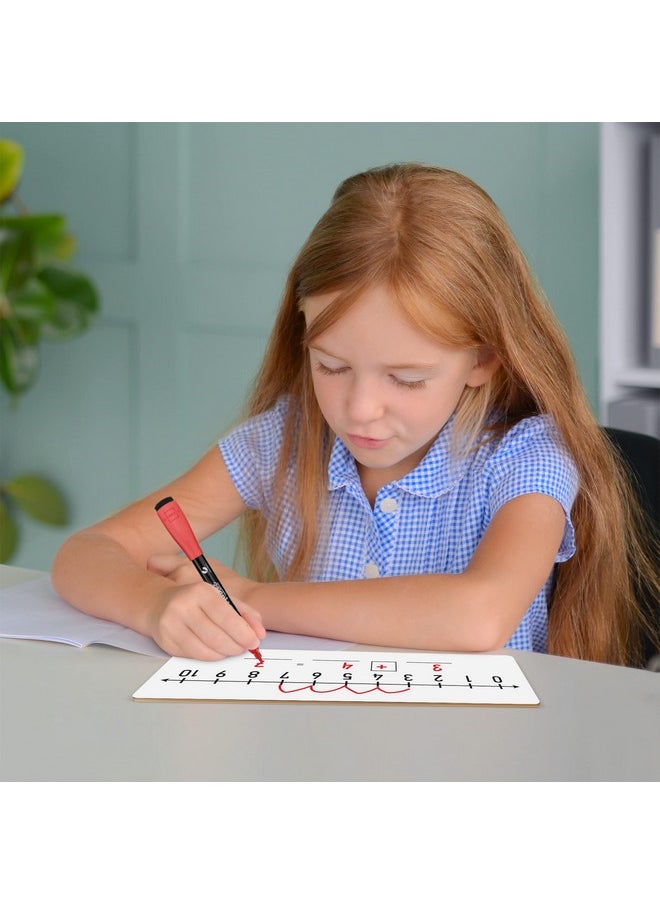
(486, 365)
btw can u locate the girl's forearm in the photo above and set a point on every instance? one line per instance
(97, 575)
(447, 611)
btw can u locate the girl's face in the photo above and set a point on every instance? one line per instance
(385, 387)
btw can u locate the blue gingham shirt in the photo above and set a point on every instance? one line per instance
(429, 521)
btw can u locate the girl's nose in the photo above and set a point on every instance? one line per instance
(364, 401)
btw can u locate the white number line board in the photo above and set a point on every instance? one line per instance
(335, 676)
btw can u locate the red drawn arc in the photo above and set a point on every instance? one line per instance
(332, 690)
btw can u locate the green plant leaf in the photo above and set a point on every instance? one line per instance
(8, 533)
(11, 167)
(19, 355)
(16, 258)
(38, 498)
(76, 302)
(34, 302)
(43, 228)
(66, 247)
(45, 233)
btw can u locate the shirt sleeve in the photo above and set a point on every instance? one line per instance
(250, 452)
(531, 458)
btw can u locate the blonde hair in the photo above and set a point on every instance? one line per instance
(440, 244)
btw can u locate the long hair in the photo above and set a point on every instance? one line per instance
(438, 242)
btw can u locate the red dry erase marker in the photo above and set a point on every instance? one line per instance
(179, 528)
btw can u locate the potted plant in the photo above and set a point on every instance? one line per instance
(41, 298)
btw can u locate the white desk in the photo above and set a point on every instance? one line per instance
(68, 714)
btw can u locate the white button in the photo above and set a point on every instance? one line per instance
(389, 505)
(371, 570)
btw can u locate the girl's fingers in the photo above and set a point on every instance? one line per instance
(199, 640)
(253, 618)
(223, 621)
(190, 646)
(199, 624)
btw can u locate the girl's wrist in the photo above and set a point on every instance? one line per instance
(256, 594)
(247, 590)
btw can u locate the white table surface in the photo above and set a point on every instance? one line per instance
(67, 714)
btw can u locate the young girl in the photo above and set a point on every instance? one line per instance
(419, 468)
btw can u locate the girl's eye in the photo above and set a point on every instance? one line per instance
(409, 384)
(322, 368)
(329, 371)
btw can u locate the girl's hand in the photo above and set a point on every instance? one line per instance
(192, 620)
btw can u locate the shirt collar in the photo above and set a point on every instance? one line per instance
(437, 473)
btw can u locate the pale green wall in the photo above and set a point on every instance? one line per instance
(189, 231)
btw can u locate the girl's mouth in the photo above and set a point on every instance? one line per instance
(366, 442)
